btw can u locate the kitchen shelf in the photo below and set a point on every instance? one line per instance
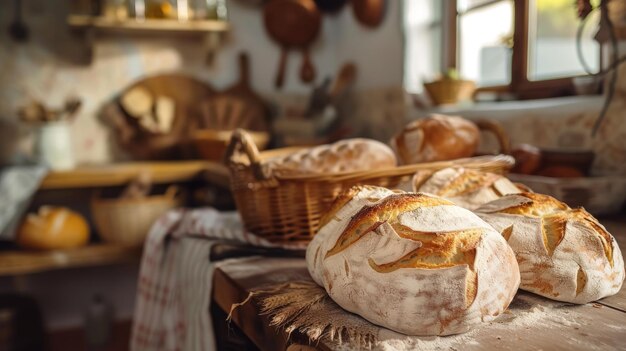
(122, 173)
(18, 262)
(153, 25)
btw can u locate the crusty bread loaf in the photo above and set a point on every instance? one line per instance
(467, 188)
(413, 263)
(341, 211)
(564, 254)
(436, 138)
(347, 155)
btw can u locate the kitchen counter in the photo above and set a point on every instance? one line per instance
(531, 322)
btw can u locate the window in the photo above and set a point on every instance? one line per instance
(525, 47)
(552, 27)
(484, 33)
(423, 28)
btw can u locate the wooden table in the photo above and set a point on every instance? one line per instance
(554, 326)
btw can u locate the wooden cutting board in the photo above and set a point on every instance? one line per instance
(238, 106)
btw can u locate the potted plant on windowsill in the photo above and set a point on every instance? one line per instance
(449, 89)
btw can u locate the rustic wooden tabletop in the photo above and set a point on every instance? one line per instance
(532, 322)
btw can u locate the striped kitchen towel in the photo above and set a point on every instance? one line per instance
(175, 278)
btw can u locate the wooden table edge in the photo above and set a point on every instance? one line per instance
(226, 292)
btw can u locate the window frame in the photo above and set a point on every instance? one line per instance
(520, 85)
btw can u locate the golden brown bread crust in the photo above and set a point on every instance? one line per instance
(468, 181)
(467, 188)
(538, 206)
(368, 218)
(436, 138)
(563, 253)
(343, 198)
(438, 250)
(554, 216)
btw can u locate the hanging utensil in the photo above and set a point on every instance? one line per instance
(18, 30)
(369, 12)
(345, 78)
(330, 6)
(293, 24)
(319, 98)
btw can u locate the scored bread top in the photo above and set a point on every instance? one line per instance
(554, 216)
(526, 204)
(411, 262)
(372, 194)
(465, 187)
(333, 222)
(451, 182)
(563, 253)
(387, 210)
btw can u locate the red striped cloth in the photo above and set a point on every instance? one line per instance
(175, 279)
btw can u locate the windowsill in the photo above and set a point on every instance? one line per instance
(515, 109)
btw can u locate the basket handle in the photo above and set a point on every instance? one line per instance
(239, 140)
(496, 129)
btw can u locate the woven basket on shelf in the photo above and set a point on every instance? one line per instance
(288, 209)
(450, 91)
(126, 222)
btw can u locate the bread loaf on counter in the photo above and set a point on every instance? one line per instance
(467, 188)
(413, 263)
(564, 254)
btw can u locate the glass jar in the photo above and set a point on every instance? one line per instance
(208, 10)
(115, 9)
(53, 146)
(160, 9)
(137, 9)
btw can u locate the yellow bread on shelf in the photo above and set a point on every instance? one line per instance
(53, 228)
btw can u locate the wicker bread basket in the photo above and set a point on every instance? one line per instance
(126, 222)
(287, 209)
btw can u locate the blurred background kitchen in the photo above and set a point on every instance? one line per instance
(113, 111)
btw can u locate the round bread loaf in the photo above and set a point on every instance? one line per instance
(347, 155)
(53, 228)
(436, 138)
(413, 263)
(564, 254)
(467, 188)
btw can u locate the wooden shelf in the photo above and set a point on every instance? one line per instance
(152, 25)
(122, 173)
(18, 262)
